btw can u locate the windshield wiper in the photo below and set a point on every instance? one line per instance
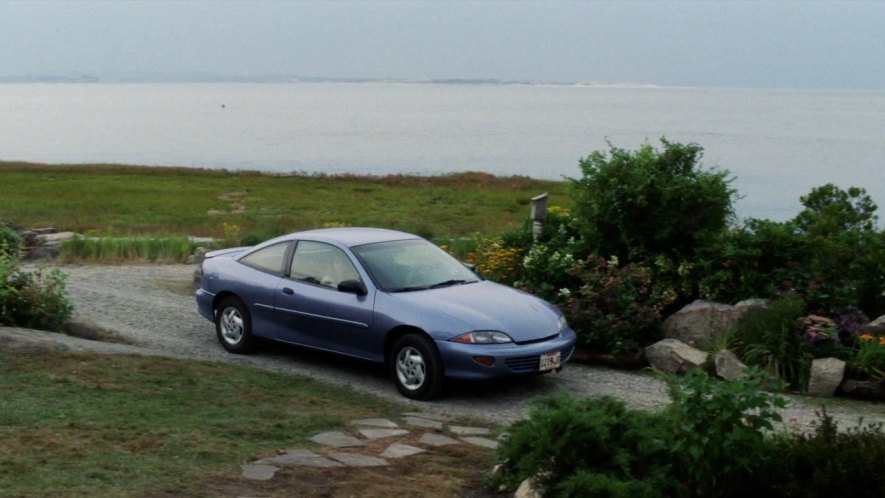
(411, 288)
(445, 283)
(448, 283)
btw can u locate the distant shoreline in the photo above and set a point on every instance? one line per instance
(190, 79)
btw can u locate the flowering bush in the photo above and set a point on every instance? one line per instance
(820, 329)
(869, 357)
(549, 264)
(496, 261)
(614, 309)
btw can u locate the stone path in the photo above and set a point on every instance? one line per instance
(342, 449)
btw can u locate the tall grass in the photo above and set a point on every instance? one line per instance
(168, 249)
(107, 200)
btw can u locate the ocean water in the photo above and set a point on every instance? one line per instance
(778, 145)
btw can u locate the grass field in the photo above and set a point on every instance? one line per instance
(97, 425)
(127, 200)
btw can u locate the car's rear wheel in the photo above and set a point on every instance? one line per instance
(416, 367)
(233, 326)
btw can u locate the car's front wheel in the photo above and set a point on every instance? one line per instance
(233, 326)
(416, 367)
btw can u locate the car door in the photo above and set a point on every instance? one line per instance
(315, 313)
(258, 283)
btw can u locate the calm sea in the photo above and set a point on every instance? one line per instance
(778, 144)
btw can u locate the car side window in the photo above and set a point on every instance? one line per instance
(323, 264)
(270, 259)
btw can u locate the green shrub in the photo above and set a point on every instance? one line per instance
(828, 462)
(718, 429)
(759, 259)
(35, 300)
(771, 339)
(585, 448)
(641, 204)
(10, 241)
(709, 442)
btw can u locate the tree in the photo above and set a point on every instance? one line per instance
(637, 204)
(829, 210)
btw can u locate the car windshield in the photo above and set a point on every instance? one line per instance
(411, 265)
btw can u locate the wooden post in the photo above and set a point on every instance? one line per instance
(539, 214)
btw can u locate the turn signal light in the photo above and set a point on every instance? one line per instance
(485, 360)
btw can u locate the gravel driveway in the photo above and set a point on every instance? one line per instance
(151, 305)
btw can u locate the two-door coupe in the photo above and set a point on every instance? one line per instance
(384, 296)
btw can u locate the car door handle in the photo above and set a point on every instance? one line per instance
(288, 291)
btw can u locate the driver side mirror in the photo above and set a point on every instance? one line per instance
(353, 286)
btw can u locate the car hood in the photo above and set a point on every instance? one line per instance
(486, 305)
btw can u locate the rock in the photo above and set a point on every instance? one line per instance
(197, 257)
(876, 327)
(469, 431)
(45, 243)
(197, 280)
(437, 440)
(674, 356)
(864, 388)
(728, 366)
(826, 376)
(703, 323)
(526, 490)
(258, 472)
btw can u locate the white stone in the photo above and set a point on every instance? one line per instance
(399, 450)
(376, 422)
(355, 460)
(336, 439)
(468, 431)
(382, 433)
(258, 472)
(826, 376)
(437, 440)
(481, 442)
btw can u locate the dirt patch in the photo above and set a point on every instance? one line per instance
(85, 328)
(234, 199)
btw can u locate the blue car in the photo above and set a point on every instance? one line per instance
(385, 296)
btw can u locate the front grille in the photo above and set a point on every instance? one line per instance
(523, 363)
(531, 363)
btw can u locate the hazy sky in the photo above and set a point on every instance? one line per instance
(831, 45)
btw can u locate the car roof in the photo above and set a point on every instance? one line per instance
(353, 236)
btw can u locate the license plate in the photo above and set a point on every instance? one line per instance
(549, 361)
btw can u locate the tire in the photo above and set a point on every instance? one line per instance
(416, 367)
(233, 326)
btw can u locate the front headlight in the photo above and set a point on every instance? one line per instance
(483, 337)
(562, 323)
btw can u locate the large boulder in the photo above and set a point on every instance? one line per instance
(704, 323)
(526, 489)
(826, 376)
(868, 389)
(876, 327)
(728, 366)
(674, 356)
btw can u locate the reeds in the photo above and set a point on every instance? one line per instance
(165, 249)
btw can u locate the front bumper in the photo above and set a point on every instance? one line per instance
(510, 359)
